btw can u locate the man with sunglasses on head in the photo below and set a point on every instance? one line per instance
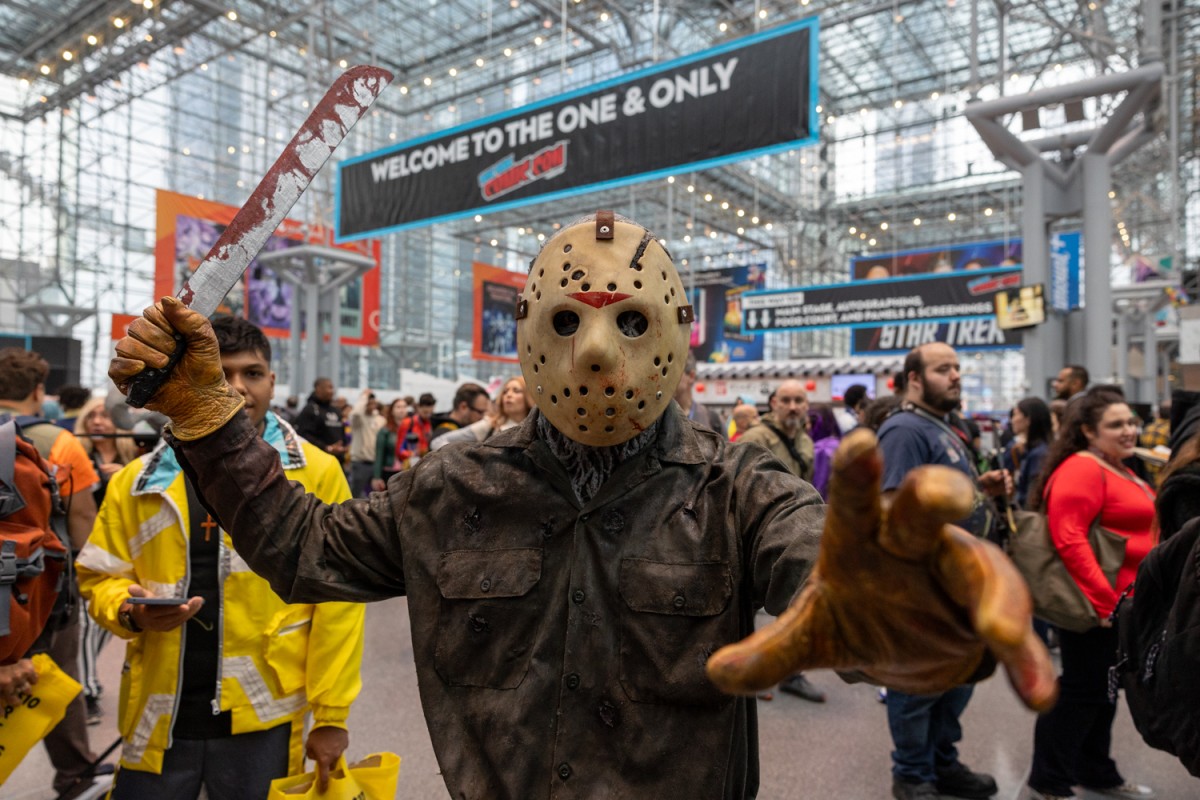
(469, 405)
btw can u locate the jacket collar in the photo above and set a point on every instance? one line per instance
(678, 441)
(769, 418)
(160, 468)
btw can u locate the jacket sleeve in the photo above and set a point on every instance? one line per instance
(332, 486)
(308, 550)
(76, 471)
(781, 518)
(1076, 499)
(475, 432)
(333, 668)
(105, 565)
(761, 435)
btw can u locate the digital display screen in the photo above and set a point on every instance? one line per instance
(838, 384)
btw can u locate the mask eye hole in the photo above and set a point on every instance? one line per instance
(632, 323)
(566, 323)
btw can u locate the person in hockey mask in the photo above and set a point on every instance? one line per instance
(567, 579)
(602, 332)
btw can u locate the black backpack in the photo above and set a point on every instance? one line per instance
(1158, 648)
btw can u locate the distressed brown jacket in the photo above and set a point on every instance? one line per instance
(560, 648)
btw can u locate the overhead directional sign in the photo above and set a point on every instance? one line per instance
(761, 309)
(926, 298)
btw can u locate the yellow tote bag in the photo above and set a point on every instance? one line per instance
(373, 778)
(22, 726)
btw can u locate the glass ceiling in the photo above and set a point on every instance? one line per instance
(103, 102)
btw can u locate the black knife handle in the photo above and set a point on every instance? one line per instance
(143, 385)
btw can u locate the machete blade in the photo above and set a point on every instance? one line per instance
(344, 104)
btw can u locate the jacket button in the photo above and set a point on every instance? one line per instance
(614, 521)
(564, 770)
(680, 601)
(578, 596)
(485, 585)
(572, 681)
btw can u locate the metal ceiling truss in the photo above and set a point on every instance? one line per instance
(888, 57)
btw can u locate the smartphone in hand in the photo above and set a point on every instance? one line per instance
(157, 601)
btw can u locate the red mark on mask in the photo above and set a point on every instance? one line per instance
(598, 299)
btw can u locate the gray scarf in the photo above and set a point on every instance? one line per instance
(589, 467)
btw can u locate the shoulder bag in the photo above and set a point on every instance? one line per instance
(1057, 598)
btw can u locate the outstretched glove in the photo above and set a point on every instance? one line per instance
(898, 594)
(195, 396)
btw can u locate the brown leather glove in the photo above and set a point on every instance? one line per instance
(899, 595)
(195, 397)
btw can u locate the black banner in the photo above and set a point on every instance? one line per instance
(933, 298)
(747, 97)
(961, 334)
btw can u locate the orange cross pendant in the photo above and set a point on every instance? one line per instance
(208, 525)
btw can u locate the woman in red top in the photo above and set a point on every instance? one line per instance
(1083, 479)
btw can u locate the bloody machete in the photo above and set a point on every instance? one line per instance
(343, 105)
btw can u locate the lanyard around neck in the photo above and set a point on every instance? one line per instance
(959, 437)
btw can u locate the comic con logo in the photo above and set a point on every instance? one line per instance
(507, 175)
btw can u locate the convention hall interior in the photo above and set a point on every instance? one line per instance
(957, 126)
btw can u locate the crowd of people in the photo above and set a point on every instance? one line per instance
(238, 590)
(374, 443)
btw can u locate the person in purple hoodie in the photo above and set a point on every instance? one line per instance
(826, 435)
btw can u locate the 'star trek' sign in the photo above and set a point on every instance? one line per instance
(747, 97)
(961, 334)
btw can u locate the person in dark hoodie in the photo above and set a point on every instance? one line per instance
(1179, 487)
(1185, 417)
(320, 422)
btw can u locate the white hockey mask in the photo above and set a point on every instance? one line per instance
(603, 327)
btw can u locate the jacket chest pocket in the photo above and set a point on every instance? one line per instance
(286, 647)
(673, 617)
(487, 625)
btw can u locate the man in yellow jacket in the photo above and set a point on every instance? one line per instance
(217, 686)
